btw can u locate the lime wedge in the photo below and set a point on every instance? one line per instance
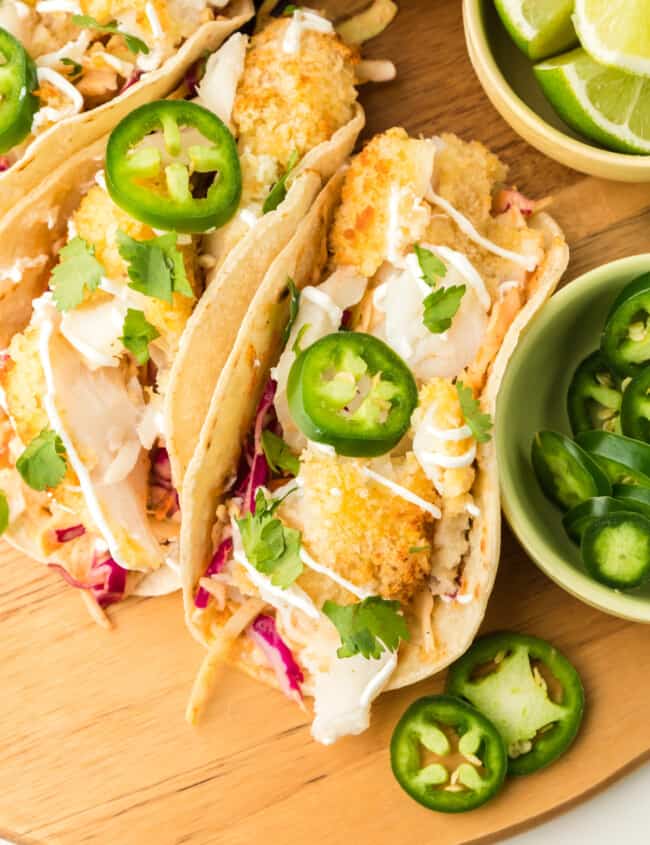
(540, 28)
(616, 32)
(607, 105)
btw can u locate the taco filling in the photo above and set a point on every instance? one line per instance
(69, 56)
(85, 461)
(358, 498)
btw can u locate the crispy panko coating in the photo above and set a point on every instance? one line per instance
(23, 381)
(97, 220)
(292, 102)
(465, 175)
(361, 529)
(439, 406)
(382, 208)
(473, 198)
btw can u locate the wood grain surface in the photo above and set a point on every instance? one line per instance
(93, 746)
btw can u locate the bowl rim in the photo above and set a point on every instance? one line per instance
(578, 584)
(502, 95)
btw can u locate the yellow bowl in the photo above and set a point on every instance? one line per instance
(507, 78)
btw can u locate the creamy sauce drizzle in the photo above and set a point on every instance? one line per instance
(526, 261)
(403, 492)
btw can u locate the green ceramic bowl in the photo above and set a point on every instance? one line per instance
(532, 397)
(507, 77)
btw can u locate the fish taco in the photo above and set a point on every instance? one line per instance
(342, 522)
(106, 271)
(73, 68)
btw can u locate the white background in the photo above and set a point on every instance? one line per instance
(618, 816)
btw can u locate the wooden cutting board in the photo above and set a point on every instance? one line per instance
(93, 746)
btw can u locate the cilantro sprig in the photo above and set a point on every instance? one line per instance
(441, 306)
(294, 305)
(4, 512)
(138, 334)
(42, 465)
(77, 271)
(155, 267)
(279, 191)
(297, 344)
(433, 269)
(135, 45)
(75, 68)
(270, 546)
(279, 456)
(479, 422)
(368, 627)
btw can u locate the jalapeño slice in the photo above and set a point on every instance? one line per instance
(625, 342)
(530, 692)
(634, 498)
(351, 391)
(566, 473)
(625, 460)
(616, 550)
(594, 397)
(18, 81)
(166, 182)
(635, 408)
(577, 519)
(447, 755)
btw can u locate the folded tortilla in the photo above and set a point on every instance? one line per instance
(369, 227)
(94, 405)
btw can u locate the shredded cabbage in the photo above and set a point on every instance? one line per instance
(264, 634)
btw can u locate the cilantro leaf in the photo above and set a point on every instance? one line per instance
(296, 348)
(75, 68)
(479, 422)
(279, 456)
(270, 546)
(138, 334)
(43, 464)
(432, 267)
(440, 307)
(279, 191)
(294, 305)
(4, 512)
(135, 45)
(156, 267)
(78, 269)
(289, 10)
(368, 627)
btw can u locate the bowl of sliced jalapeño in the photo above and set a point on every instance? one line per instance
(601, 478)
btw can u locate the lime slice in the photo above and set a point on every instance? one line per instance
(538, 27)
(616, 32)
(607, 105)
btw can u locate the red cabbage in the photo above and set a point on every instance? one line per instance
(264, 634)
(194, 75)
(4, 164)
(508, 198)
(163, 498)
(219, 560)
(161, 468)
(135, 77)
(258, 472)
(106, 580)
(64, 535)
